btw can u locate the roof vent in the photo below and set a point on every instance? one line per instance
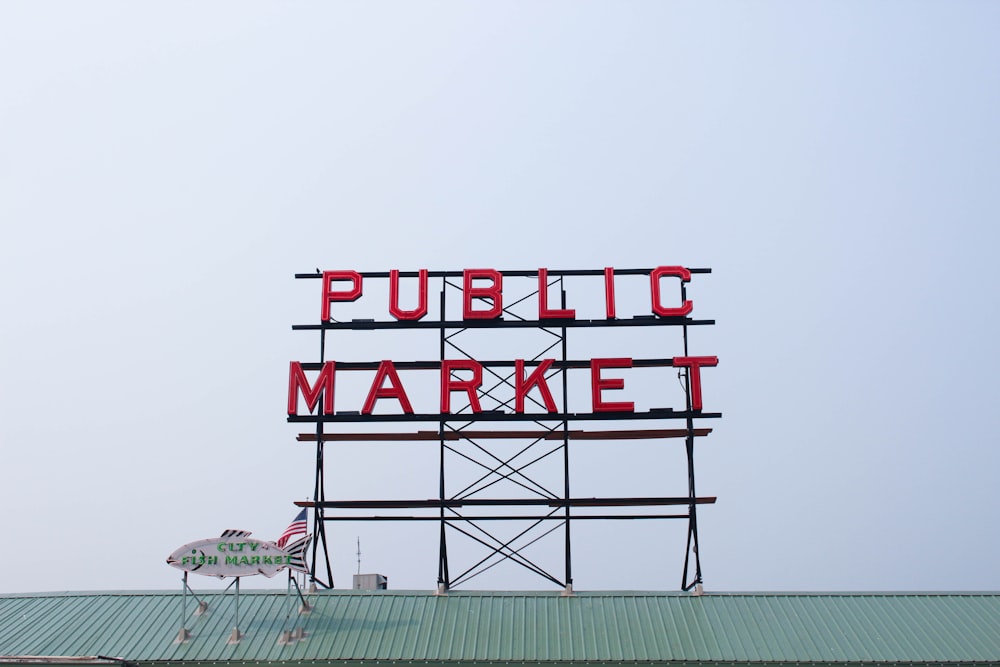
(370, 582)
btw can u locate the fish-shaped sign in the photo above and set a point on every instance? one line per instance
(236, 554)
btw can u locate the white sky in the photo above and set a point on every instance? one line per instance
(166, 168)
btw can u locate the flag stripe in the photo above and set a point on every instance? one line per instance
(298, 526)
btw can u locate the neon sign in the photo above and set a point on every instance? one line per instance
(466, 375)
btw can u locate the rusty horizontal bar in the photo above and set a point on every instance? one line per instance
(435, 503)
(627, 434)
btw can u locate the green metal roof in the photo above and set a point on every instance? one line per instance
(491, 627)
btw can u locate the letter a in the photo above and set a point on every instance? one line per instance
(386, 370)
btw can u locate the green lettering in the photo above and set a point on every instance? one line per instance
(255, 560)
(222, 546)
(212, 560)
(244, 560)
(232, 560)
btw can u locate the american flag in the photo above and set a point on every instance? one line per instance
(296, 527)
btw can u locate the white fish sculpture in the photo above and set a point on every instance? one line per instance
(236, 554)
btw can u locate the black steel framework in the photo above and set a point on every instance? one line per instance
(551, 433)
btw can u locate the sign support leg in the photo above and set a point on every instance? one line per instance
(568, 590)
(444, 580)
(236, 636)
(692, 536)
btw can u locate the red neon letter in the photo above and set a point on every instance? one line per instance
(493, 293)
(695, 364)
(599, 384)
(659, 308)
(609, 291)
(333, 295)
(449, 385)
(297, 381)
(523, 386)
(543, 301)
(386, 370)
(394, 308)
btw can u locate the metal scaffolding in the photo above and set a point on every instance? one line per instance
(465, 507)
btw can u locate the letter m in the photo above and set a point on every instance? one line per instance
(297, 382)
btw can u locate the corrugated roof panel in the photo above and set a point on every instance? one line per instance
(881, 630)
(724, 637)
(976, 621)
(407, 616)
(621, 629)
(529, 628)
(516, 627)
(805, 634)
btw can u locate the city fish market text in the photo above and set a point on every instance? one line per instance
(232, 547)
(234, 555)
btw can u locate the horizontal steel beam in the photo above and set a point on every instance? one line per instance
(498, 363)
(500, 323)
(435, 503)
(508, 517)
(491, 416)
(630, 434)
(520, 273)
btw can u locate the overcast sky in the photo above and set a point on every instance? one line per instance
(166, 169)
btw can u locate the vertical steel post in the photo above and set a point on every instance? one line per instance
(444, 581)
(565, 425)
(184, 603)
(237, 628)
(692, 537)
(319, 494)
